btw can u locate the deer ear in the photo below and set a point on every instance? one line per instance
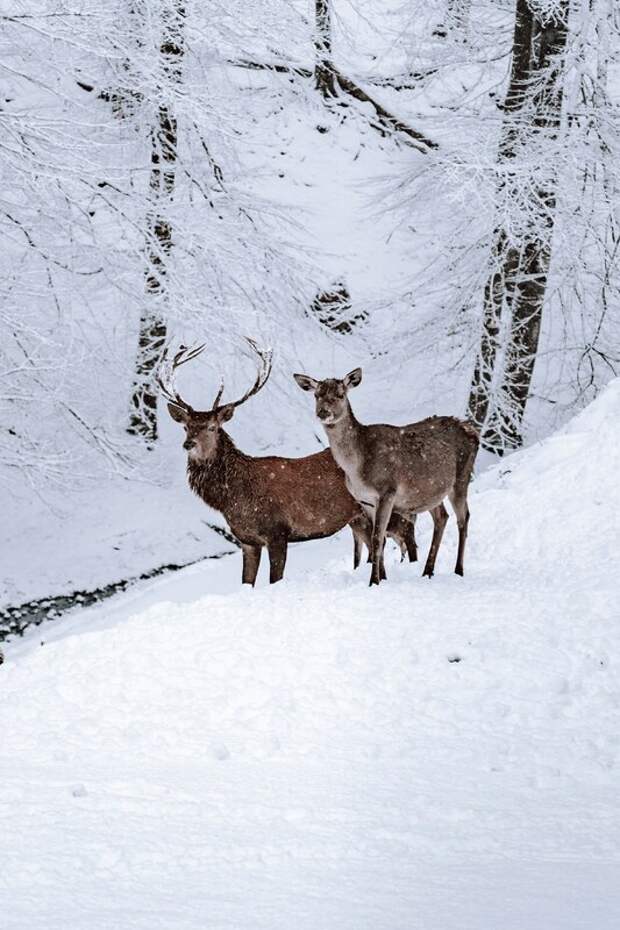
(353, 378)
(177, 413)
(306, 383)
(225, 413)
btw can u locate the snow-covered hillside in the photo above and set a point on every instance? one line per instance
(421, 756)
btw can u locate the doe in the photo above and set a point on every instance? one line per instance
(398, 469)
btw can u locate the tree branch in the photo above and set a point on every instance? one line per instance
(385, 121)
(267, 66)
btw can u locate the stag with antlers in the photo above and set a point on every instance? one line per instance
(267, 501)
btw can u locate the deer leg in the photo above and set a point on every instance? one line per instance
(402, 531)
(410, 543)
(251, 561)
(382, 518)
(459, 502)
(367, 536)
(440, 517)
(399, 539)
(277, 558)
(357, 547)
(361, 527)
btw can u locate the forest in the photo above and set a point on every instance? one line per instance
(419, 200)
(430, 190)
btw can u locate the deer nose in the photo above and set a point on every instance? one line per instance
(189, 444)
(322, 413)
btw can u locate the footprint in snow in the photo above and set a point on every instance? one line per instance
(220, 751)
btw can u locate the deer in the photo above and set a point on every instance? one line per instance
(268, 501)
(398, 469)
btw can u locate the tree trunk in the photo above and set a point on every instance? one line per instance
(515, 291)
(152, 335)
(498, 294)
(323, 68)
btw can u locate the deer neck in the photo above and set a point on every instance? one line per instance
(344, 439)
(218, 480)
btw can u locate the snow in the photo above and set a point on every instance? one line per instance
(102, 533)
(438, 755)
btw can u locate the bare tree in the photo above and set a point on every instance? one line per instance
(164, 141)
(323, 67)
(118, 226)
(514, 293)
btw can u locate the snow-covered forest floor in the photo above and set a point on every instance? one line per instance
(438, 755)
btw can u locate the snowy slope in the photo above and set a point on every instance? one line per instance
(59, 543)
(441, 756)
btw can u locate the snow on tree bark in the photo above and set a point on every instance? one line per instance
(323, 69)
(164, 141)
(521, 253)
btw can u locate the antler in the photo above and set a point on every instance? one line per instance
(264, 371)
(167, 384)
(166, 375)
(218, 396)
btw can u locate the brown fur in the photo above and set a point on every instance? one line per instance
(261, 497)
(268, 501)
(272, 501)
(406, 469)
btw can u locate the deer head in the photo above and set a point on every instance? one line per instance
(202, 427)
(330, 394)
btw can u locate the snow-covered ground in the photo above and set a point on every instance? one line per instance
(103, 533)
(435, 755)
